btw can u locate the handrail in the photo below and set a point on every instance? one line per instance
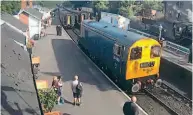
(176, 49)
(184, 49)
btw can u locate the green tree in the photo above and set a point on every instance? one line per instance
(127, 3)
(130, 12)
(101, 5)
(114, 6)
(126, 8)
(152, 5)
(67, 4)
(10, 7)
(78, 4)
(126, 11)
(123, 11)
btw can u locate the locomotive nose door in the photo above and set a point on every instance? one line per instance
(117, 60)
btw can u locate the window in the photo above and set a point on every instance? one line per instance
(136, 53)
(155, 51)
(117, 50)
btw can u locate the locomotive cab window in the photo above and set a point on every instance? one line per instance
(136, 53)
(117, 50)
(155, 51)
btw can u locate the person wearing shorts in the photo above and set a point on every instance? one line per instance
(76, 94)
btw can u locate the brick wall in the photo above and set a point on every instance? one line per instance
(23, 17)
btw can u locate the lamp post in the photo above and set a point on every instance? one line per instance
(29, 49)
(160, 31)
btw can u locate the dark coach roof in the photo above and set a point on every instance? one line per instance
(14, 21)
(34, 13)
(8, 32)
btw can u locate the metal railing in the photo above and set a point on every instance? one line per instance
(176, 49)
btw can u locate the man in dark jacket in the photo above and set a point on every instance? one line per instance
(60, 30)
(130, 108)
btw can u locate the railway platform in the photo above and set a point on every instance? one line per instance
(60, 56)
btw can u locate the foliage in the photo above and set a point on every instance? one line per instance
(127, 3)
(155, 5)
(47, 4)
(100, 5)
(126, 8)
(48, 98)
(130, 8)
(126, 11)
(130, 12)
(80, 3)
(67, 4)
(123, 11)
(10, 7)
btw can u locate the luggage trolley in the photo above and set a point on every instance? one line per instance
(36, 64)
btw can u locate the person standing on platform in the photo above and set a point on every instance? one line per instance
(130, 108)
(57, 30)
(174, 29)
(60, 30)
(77, 90)
(59, 88)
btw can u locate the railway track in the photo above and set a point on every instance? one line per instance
(173, 101)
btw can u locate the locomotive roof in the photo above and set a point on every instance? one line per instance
(65, 12)
(124, 37)
(74, 11)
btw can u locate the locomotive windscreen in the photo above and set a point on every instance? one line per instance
(136, 53)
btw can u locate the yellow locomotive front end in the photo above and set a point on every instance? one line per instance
(143, 61)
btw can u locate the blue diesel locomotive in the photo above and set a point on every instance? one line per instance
(129, 59)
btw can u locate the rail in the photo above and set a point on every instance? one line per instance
(177, 94)
(167, 96)
(160, 102)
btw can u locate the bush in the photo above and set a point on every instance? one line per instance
(48, 99)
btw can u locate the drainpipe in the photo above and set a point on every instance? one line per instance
(29, 49)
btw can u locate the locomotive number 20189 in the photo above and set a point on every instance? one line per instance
(147, 64)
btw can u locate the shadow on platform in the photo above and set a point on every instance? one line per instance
(71, 62)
